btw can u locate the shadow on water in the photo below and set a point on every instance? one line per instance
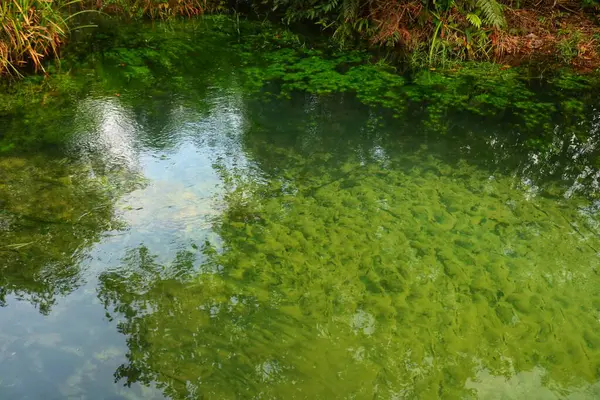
(192, 239)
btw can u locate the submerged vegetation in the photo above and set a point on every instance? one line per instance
(351, 262)
(359, 277)
(51, 213)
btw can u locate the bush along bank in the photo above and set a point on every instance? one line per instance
(421, 32)
(432, 33)
(429, 33)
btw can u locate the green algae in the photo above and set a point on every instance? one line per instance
(367, 280)
(339, 272)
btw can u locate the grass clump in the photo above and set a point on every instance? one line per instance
(30, 31)
(155, 9)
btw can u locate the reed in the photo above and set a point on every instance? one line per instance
(33, 30)
(30, 31)
(153, 9)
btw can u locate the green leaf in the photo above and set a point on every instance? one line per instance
(493, 13)
(474, 20)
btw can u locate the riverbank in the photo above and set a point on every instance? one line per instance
(414, 33)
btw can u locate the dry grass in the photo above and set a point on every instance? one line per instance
(30, 30)
(570, 37)
(395, 22)
(541, 29)
(154, 9)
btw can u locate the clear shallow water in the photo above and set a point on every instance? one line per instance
(196, 241)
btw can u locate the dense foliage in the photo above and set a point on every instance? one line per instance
(426, 32)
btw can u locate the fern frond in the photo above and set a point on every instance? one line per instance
(492, 12)
(350, 9)
(474, 20)
(328, 6)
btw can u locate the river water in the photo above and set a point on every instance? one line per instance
(177, 236)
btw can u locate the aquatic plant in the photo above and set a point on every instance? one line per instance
(405, 271)
(484, 89)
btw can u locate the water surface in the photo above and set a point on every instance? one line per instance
(177, 236)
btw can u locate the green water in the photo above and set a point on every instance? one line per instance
(169, 230)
